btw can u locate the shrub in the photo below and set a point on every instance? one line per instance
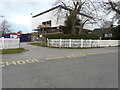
(116, 33)
(70, 36)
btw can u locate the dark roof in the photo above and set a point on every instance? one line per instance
(102, 31)
(58, 7)
(45, 11)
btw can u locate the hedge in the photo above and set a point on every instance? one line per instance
(116, 33)
(78, 36)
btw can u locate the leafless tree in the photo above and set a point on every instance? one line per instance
(112, 7)
(4, 27)
(76, 8)
(115, 6)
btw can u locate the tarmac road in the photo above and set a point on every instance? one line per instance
(60, 68)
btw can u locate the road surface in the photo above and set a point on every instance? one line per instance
(61, 68)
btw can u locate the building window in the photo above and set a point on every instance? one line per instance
(108, 35)
(47, 23)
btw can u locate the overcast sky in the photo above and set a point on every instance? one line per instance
(18, 12)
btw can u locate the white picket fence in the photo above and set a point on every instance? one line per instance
(9, 43)
(81, 43)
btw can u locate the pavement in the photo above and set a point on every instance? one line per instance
(42, 67)
(36, 52)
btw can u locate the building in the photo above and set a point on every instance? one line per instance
(48, 22)
(103, 32)
(23, 37)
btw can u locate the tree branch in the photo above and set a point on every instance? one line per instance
(113, 7)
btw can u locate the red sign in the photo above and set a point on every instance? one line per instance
(18, 33)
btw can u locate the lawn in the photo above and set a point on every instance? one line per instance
(38, 44)
(11, 51)
(76, 47)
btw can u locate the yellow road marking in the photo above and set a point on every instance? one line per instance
(2, 64)
(9, 63)
(36, 60)
(73, 55)
(92, 53)
(30, 61)
(69, 56)
(54, 58)
(20, 62)
(83, 55)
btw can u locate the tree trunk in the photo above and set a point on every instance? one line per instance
(73, 26)
(73, 23)
(81, 29)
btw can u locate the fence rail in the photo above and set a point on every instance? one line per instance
(81, 43)
(9, 43)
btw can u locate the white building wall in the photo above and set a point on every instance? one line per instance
(51, 15)
(88, 25)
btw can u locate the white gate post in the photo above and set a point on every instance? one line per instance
(47, 42)
(81, 43)
(90, 43)
(3, 42)
(100, 43)
(60, 42)
(19, 42)
(69, 42)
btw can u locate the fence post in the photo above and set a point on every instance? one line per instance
(3, 42)
(69, 42)
(99, 44)
(60, 42)
(110, 43)
(81, 43)
(90, 43)
(47, 42)
(19, 42)
(118, 42)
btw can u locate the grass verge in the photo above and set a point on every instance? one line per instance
(76, 47)
(11, 51)
(38, 44)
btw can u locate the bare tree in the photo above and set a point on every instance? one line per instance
(4, 27)
(115, 6)
(112, 7)
(76, 8)
(90, 10)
